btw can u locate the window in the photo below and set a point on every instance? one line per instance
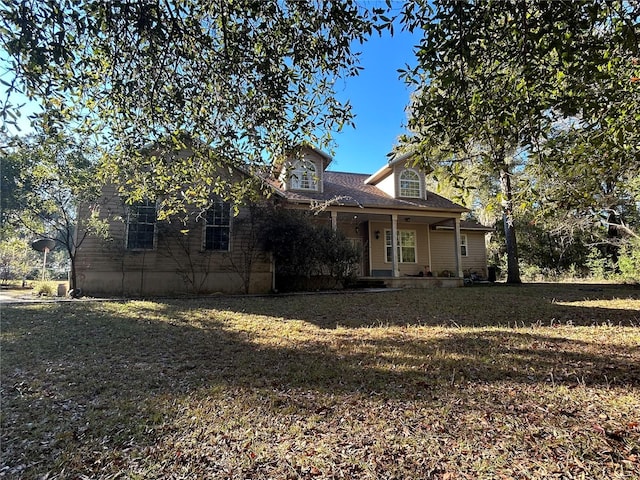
(141, 225)
(217, 226)
(463, 245)
(406, 246)
(304, 177)
(410, 184)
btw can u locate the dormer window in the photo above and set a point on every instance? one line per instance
(304, 176)
(410, 184)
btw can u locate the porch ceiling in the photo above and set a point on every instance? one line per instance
(419, 219)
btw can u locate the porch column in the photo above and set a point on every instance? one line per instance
(458, 240)
(429, 243)
(334, 220)
(395, 271)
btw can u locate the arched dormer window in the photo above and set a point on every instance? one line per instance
(304, 177)
(410, 184)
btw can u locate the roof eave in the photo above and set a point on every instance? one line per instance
(476, 229)
(379, 175)
(387, 169)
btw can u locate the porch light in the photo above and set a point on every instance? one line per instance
(377, 234)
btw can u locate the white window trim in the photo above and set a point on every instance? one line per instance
(419, 180)
(307, 170)
(399, 246)
(464, 245)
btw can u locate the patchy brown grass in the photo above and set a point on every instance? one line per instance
(537, 381)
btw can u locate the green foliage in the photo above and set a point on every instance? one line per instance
(303, 248)
(17, 259)
(9, 198)
(247, 79)
(629, 262)
(599, 266)
(51, 178)
(548, 83)
(45, 289)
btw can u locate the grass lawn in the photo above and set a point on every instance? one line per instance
(536, 381)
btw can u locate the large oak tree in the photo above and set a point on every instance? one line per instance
(495, 79)
(244, 80)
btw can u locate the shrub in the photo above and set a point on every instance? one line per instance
(302, 248)
(629, 262)
(45, 289)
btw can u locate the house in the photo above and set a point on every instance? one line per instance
(217, 252)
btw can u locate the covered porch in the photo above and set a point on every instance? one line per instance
(428, 245)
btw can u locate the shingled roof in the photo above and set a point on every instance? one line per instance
(349, 189)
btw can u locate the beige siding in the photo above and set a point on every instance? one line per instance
(476, 259)
(177, 265)
(443, 252)
(378, 248)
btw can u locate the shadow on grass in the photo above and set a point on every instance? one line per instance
(78, 349)
(81, 376)
(498, 305)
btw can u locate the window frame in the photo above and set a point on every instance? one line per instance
(212, 225)
(464, 245)
(144, 204)
(304, 176)
(406, 191)
(387, 246)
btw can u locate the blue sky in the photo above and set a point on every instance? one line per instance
(378, 99)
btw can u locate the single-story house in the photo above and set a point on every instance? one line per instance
(216, 252)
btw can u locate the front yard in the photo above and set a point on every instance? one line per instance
(537, 381)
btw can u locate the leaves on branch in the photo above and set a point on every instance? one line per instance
(247, 79)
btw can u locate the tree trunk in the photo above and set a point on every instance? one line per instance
(513, 269)
(73, 283)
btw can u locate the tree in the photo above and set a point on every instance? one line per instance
(17, 259)
(248, 79)
(302, 249)
(589, 186)
(248, 244)
(495, 77)
(53, 176)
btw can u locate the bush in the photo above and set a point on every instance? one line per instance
(301, 248)
(45, 289)
(629, 262)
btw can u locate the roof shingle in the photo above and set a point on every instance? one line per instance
(349, 189)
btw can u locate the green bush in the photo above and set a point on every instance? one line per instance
(302, 248)
(45, 289)
(598, 265)
(629, 262)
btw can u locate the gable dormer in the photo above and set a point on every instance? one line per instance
(398, 180)
(303, 170)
